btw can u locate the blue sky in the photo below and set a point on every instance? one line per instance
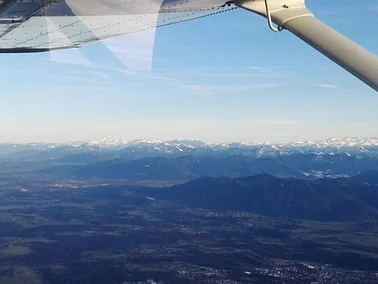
(221, 78)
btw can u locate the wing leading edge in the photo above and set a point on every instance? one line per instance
(37, 26)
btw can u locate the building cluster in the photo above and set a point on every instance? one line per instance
(317, 274)
(188, 271)
(286, 272)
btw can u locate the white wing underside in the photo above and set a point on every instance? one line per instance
(35, 25)
(43, 25)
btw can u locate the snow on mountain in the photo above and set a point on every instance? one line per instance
(354, 142)
(106, 143)
(350, 146)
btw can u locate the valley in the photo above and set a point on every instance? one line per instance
(117, 233)
(222, 218)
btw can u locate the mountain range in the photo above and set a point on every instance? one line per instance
(185, 168)
(77, 152)
(343, 199)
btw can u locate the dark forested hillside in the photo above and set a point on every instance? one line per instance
(326, 200)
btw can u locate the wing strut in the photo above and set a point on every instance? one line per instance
(293, 16)
(269, 17)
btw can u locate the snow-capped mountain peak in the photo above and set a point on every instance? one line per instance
(348, 146)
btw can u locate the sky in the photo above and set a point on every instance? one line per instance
(220, 78)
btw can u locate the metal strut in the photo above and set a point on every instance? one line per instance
(269, 17)
(267, 12)
(292, 15)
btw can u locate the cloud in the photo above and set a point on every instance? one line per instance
(207, 89)
(102, 75)
(77, 60)
(194, 87)
(243, 72)
(276, 122)
(327, 86)
(74, 57)
(241, 88)
(197, 87)
(79, 78)
(134, 51)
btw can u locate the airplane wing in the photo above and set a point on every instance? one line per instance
(43, 25)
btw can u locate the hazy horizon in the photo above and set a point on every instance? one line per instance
(109, 139)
